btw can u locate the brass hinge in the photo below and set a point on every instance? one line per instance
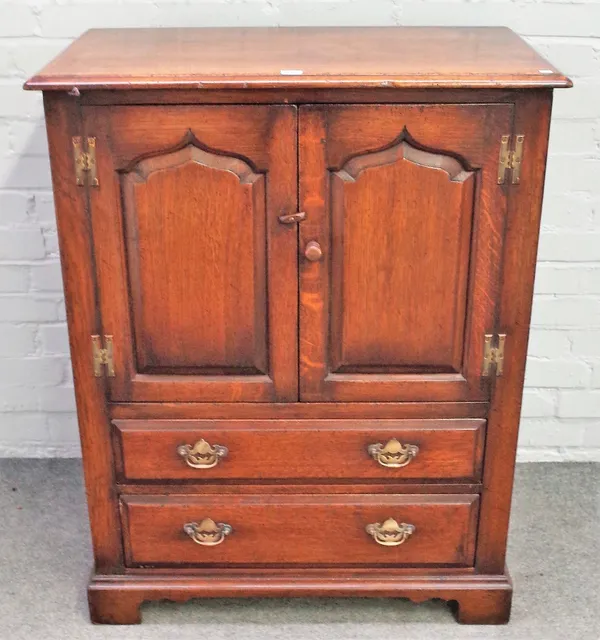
(103, 356)
(510, 159)
(84, 154)
(493, 354)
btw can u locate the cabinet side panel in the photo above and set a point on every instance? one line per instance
(77, 260)
(532, 118)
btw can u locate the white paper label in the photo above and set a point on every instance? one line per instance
(291, 72)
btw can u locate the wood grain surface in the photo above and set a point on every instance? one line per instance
(475, 599)
(63, 120)
(409, 285)
(329, 450)
(452, 57)
(184, 211)
(301, 529)
(186, 223)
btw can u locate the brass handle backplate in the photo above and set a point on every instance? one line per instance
(208, 533)
(202, 455)
(393, 454)
(389, 533)
(313, 251)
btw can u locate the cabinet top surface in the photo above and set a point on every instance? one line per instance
(338, 57)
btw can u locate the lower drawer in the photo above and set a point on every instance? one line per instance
(300, 529)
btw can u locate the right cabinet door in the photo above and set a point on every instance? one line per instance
(401, 249)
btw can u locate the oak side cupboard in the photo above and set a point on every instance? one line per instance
(298, 267)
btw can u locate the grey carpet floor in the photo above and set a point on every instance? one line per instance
(45, 557)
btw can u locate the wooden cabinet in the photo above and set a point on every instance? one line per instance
(298, 286)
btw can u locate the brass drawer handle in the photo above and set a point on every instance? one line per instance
(390, 533)
(208, 533)
(202, 455)
(393, 454)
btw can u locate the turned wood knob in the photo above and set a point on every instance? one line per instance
(313, 251)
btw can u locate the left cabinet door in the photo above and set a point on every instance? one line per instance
(197, 278)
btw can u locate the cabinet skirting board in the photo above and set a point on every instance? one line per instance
(474, 598)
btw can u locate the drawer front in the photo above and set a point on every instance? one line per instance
(303, 449)
(300, 529)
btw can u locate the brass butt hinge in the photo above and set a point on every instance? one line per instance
(84, 155)
(493, 354)
(103, 356)
(510, 159)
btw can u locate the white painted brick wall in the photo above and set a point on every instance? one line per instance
(561, 411)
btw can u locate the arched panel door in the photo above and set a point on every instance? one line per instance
(404, 204)
(185, 221)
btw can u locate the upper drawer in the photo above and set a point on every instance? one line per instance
(301, 449)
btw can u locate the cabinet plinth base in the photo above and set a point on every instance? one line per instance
(475, 599)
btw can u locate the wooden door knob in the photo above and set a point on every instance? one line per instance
(313, 251)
